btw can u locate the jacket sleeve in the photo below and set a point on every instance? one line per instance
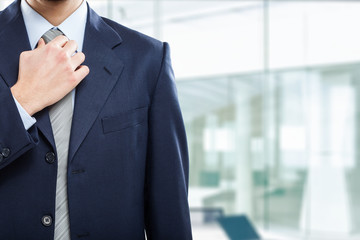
(15, 140)
(166, 203)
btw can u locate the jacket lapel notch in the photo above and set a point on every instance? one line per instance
(93, 91)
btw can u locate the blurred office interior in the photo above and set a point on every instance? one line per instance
(270, 93)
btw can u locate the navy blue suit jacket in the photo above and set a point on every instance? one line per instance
(128, 160)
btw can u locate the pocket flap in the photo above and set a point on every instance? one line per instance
(124, 120)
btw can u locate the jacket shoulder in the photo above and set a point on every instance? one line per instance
(135, 38)
(9, 14)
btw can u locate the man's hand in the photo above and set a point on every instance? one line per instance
(48, 73)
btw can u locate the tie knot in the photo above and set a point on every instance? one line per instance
(51, 34)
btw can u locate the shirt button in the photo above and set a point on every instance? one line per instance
(46, 220)
(50, 157)
(5, 152)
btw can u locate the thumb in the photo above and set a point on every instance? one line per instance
(41, 43)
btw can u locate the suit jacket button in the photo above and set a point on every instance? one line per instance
(5, 152)
(50, 157)
(46, 220)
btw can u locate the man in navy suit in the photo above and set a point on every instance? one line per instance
(126, 162)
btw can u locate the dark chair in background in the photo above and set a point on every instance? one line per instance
(238, 228)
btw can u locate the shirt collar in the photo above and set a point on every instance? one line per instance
(36, 25)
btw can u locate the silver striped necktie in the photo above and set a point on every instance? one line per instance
(61, 114)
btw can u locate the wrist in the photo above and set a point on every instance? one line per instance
(25, 103)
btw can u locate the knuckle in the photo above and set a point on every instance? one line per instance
(62, 37)
(74, 43)
(68, 68)
(85, 72)
(51, 48)
(82, 56)
(24, 55)
(62, 56)
(72, 80)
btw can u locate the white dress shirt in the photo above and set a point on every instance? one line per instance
(36, 25)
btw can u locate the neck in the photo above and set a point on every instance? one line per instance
(55, 11)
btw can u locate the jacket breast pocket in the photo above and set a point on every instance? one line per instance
(124, 120)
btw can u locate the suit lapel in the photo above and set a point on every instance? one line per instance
(13, 41)
(105, 70)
